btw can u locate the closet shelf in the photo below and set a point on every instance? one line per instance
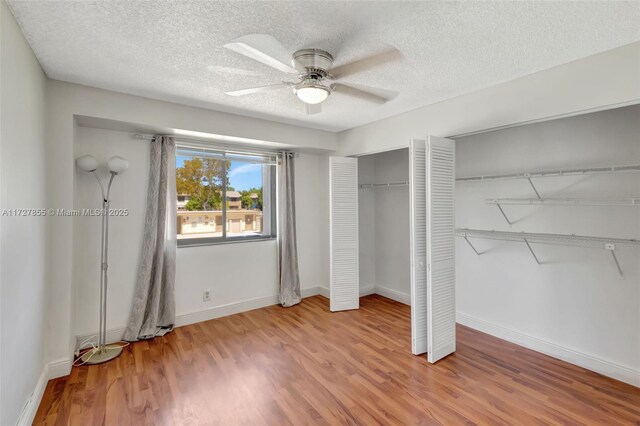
(565, 201)
(552, 173)
(561, 239)
(528, 238)
(384, 185)
(539, 200)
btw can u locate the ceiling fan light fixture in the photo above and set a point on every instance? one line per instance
(312, 93)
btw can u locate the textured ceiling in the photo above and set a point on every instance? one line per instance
(173, 50)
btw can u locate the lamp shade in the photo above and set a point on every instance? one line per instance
(117, 164)
(88, 163)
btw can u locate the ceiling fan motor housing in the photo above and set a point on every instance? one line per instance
(313, 62)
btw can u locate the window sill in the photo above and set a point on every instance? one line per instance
(198, 242)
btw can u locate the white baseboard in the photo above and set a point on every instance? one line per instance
(367, 290)
(226, 310)
(322, 291)
(115, 334)
(590, 362)
(59, 368)
(33, 402)
(244, 306)
(50, 371)
(396, 295)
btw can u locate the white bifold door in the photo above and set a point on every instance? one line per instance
(344, 287)
(431, 182)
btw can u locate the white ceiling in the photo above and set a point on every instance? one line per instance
(173, 50)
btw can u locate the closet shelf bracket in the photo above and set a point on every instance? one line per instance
(539, 198)
(534, 188)
(471, 245)
(531, 250)
(572, 240)
(504, 214)
(612, 249)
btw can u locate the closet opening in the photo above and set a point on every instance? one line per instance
(392, 234)
(384, 229)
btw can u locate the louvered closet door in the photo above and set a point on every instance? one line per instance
(418, 215)
(441, 303)
(344, 288)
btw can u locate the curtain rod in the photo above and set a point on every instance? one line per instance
(216, 144)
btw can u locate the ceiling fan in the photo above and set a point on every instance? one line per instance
(312, 70)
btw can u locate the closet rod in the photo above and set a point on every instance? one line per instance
(557, 239)
(565, 201)
(551, 173)
(383, 185)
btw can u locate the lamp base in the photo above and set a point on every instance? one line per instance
(97, 357)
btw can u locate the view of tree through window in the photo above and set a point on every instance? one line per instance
(209, 210)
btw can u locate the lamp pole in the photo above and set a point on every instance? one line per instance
(104, 264)
(103, 352)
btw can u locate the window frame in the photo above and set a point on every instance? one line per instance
(270, 158)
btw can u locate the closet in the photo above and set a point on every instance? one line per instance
(548, 231)
(384, 229)
(392, 233)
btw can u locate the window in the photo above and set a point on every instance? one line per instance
(224, 196)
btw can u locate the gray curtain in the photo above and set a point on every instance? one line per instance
(287, 247)
(153, 312)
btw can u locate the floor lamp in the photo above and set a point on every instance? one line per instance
(117, 165)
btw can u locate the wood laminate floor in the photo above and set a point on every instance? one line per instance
(305, 365)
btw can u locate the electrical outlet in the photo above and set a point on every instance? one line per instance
(206, 296)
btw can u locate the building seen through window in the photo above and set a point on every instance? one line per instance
(223, 196)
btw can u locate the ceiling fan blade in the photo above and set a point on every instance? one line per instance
(386, 56)
(258, 89)
(312, 109)
(219, 69)
(379, 96)
(263, 48)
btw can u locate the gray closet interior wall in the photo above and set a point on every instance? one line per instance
(384, 225)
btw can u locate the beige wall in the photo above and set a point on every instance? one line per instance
(23, 261)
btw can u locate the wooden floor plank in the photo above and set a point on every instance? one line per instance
(305, 365)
